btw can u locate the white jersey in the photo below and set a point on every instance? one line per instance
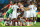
(21, 8)
(33, 7)
(15, 7)
(14, 13)
(33, 10)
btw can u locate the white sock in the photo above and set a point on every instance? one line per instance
(23, 23)
(11, 23)
(35, 22)
(15, 23)
(6, 22)
(18, 23)
(27, 23)
(32, 23)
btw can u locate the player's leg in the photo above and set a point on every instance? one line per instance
(35, 17)
(21, 21)
(31, 20)
(15, 21)
(18, 20)
(31, 17)
(24, 22)
(7, 15)
(3, 22)
(27, 16)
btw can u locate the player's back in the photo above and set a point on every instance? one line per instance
(31, 6)
(15, 7)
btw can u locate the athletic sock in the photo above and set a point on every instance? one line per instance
(18, 23)
(31, 22)
(15, 22)
(11, 22)
(35, 21)
(6, 22)
(27, 22)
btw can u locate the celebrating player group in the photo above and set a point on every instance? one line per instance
(18, 15)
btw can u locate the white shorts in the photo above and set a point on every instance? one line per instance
(27, 14)
(18, 14)
(14, 14)
(33, 13)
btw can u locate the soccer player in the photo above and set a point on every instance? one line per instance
(20, 5)
(8, 8)
(14, 13)
(27, 15)
(33, 11)
(21, 11)
(18, 16)
(35, 18)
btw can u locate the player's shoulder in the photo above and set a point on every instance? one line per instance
(13, 5)
(9, 4)
(21, 5)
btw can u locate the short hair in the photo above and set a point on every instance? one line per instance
(19, 2)
(15, 2)
(31, 2)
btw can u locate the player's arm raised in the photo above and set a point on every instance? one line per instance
(26, 8)
(4, 7)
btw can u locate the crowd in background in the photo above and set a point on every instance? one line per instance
(26, 3)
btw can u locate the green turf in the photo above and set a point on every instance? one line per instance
(37, 25)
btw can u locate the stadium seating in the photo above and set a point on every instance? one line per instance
(4, 1)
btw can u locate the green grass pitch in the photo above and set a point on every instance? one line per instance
(37, 25)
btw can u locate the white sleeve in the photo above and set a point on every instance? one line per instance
(17, 7)
(12, 7)
(35, 8)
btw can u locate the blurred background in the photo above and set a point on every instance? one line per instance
(24, 2)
